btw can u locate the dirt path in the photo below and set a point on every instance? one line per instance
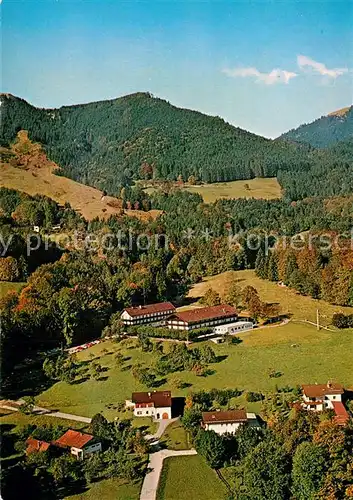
(38, 410)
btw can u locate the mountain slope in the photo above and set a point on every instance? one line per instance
(326, 131)
(109, 144)
(26, 168)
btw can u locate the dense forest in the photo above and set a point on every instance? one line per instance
(326, 131)
(110, 144)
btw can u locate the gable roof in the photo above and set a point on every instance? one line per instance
(150, 308)
(34, 445)
(318, 390)
(342, 416)
(73, 439)
(160, 399)
(219, 417)
(196, 315)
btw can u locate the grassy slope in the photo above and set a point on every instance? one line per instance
(299, 306)
(110, 489)
(34, 175)
(189, 477)
(317, 357)
(267, 188)
(9, 286)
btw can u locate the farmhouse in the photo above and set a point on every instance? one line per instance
(223, 422)
(156, 404)
(80, 444)
(202, 318)
(147, 314)
(319, 397)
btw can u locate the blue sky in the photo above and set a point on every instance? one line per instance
(266, 66)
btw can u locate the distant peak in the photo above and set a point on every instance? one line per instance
(340, 112)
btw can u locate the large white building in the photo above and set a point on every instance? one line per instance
(223, 422)
(202, 318)
(234, 328)
(155, 404)
(150, 313)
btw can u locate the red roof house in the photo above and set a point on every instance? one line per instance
(80, 444)
(36, 445)
(204, 317)
(147, 313)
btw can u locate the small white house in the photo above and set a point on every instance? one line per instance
(318, 397)
(223, 422)
(36, 229)
(155, 404)
(233, 328)
(80, 444)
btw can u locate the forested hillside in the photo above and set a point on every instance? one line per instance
(326, 131)
(108, 144)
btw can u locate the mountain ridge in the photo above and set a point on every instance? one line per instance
(109, 144)
(325, 131)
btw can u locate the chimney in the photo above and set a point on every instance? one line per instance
(140, 307)
(329, 384)
(149, 394)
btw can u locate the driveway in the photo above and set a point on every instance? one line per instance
(38, 410)
(155, 465)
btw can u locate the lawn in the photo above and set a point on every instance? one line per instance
(298, 306)
(189, 478)
(110, 489)
(254, 188)
(176, 437)
(9, 286)
(298, 351)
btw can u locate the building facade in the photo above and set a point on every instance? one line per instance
(155, 404)
(319, 397)
(234, 328)
(80, 444)
(206, 317)
(150, 313)
(227, 422)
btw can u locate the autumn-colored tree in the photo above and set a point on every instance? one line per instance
(211, 298)
(9, 270)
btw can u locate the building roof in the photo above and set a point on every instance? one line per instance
(160, 399)
(220, 417)
(342, 416)
(73, 439)
(36, 445)
(150, 308)
(317, 390)
(197, 315)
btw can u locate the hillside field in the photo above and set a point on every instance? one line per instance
(266, 188)
(25, 167)
(299, 307)
(298, 351)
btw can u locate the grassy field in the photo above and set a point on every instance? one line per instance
(298, 351)
(35, 175)
(254, 188)
(175, 437)
(110, 489)
(298, 306)
(189, 478)
(9, 286)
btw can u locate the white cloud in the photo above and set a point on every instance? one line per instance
(306, 62)
(275, 76)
